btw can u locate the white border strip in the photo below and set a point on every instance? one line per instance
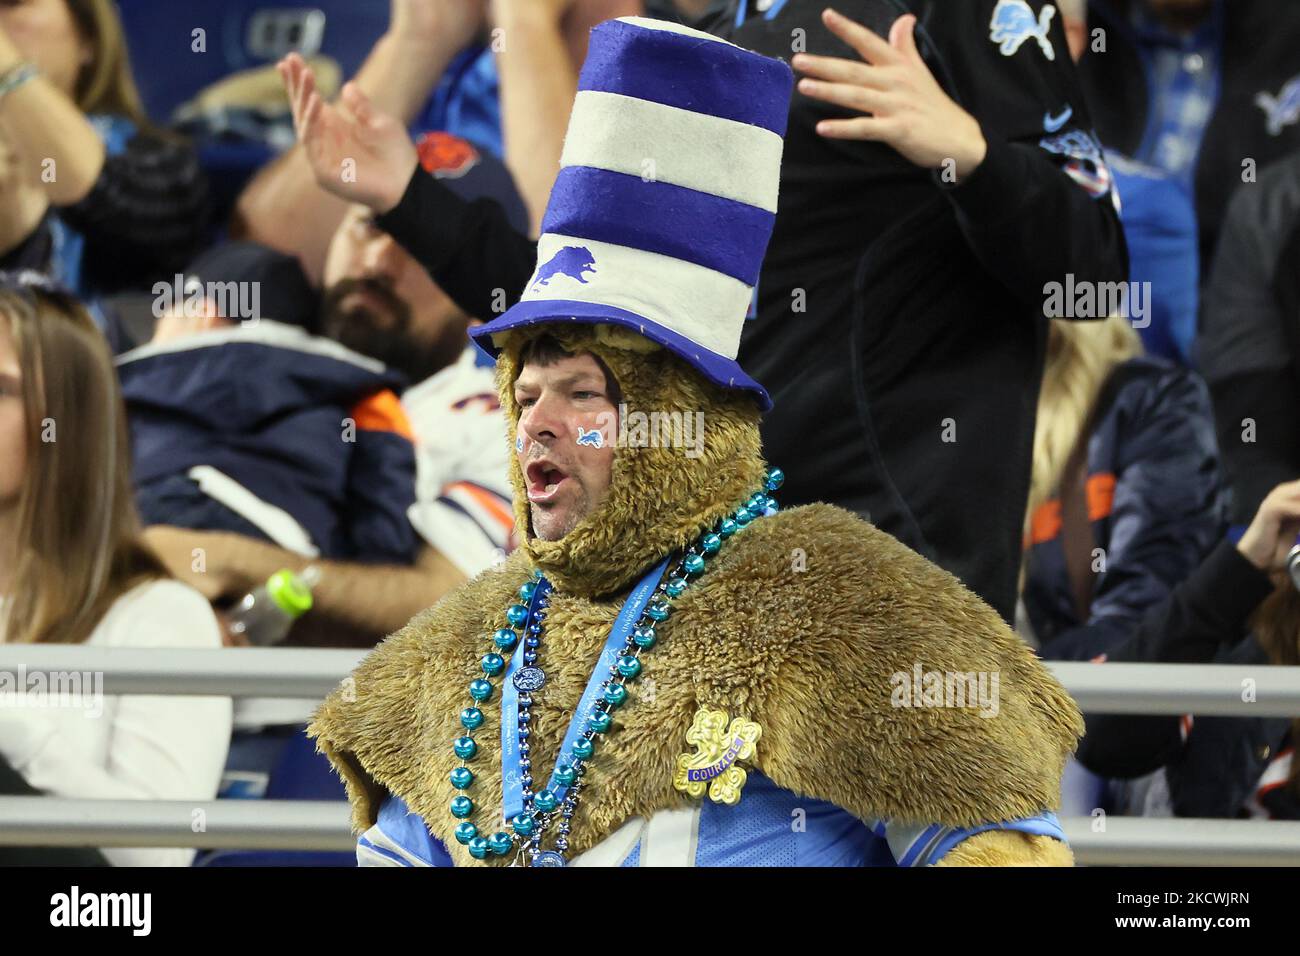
(659, 143)
(666, 26)
(614, 849)
(671, 837)
(260, 332)
(705, 306)
(276, 523)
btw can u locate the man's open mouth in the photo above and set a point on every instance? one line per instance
(543, 481)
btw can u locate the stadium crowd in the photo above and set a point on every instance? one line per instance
(1032, 307)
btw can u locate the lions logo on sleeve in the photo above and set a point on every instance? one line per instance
(1085, 163)
(1281, 110)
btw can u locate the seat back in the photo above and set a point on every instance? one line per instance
(297, 772)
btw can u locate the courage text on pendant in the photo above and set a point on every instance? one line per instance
(720, 745)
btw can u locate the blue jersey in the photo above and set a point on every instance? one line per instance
(467, 101)
(769, 827)
(1159, 221)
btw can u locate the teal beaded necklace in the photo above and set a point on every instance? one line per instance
(524, 621)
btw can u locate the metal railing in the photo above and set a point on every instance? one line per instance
(317, 825)
(1182, 841)
(214, 824)
(1206, 689)
(1262, 691)
(228, 672)
(311, 825)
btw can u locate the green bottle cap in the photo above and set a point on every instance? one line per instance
(290, 593)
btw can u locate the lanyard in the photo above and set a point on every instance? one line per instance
(511, 788)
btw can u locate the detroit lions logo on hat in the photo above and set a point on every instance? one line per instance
(571, 261)
(1013, 23)
(1086, 165)
(1282, 110)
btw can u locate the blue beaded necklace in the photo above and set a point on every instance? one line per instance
(556, 804)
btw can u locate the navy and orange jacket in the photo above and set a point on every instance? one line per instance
(301, 422)
(1156, 506)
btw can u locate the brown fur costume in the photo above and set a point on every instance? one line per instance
(797, 623)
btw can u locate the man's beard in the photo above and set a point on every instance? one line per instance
(362, 328)
(580, 509)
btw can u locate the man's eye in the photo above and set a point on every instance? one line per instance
(584, 395)
(524, 402)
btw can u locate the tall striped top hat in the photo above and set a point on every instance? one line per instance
(666, 194)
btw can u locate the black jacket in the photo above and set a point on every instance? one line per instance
(12, 784)
(1261, 56)
(900, 325)
(1250, 336)
(1202, 621)
(144, 218)
(1217, 769)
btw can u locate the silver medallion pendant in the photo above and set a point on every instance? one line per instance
(529, 679)
(548, 858)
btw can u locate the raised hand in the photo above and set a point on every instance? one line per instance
(455, 22)
(355, 152)
(1272, 532)
(905, 105)
(552, 10)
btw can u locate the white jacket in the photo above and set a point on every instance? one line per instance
(124, 748)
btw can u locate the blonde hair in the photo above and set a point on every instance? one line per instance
(1080, 357)
(78, 543)
(105, 83)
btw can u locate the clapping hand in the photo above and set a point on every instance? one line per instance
(355, 152)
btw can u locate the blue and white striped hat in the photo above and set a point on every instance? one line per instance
(666, 195)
